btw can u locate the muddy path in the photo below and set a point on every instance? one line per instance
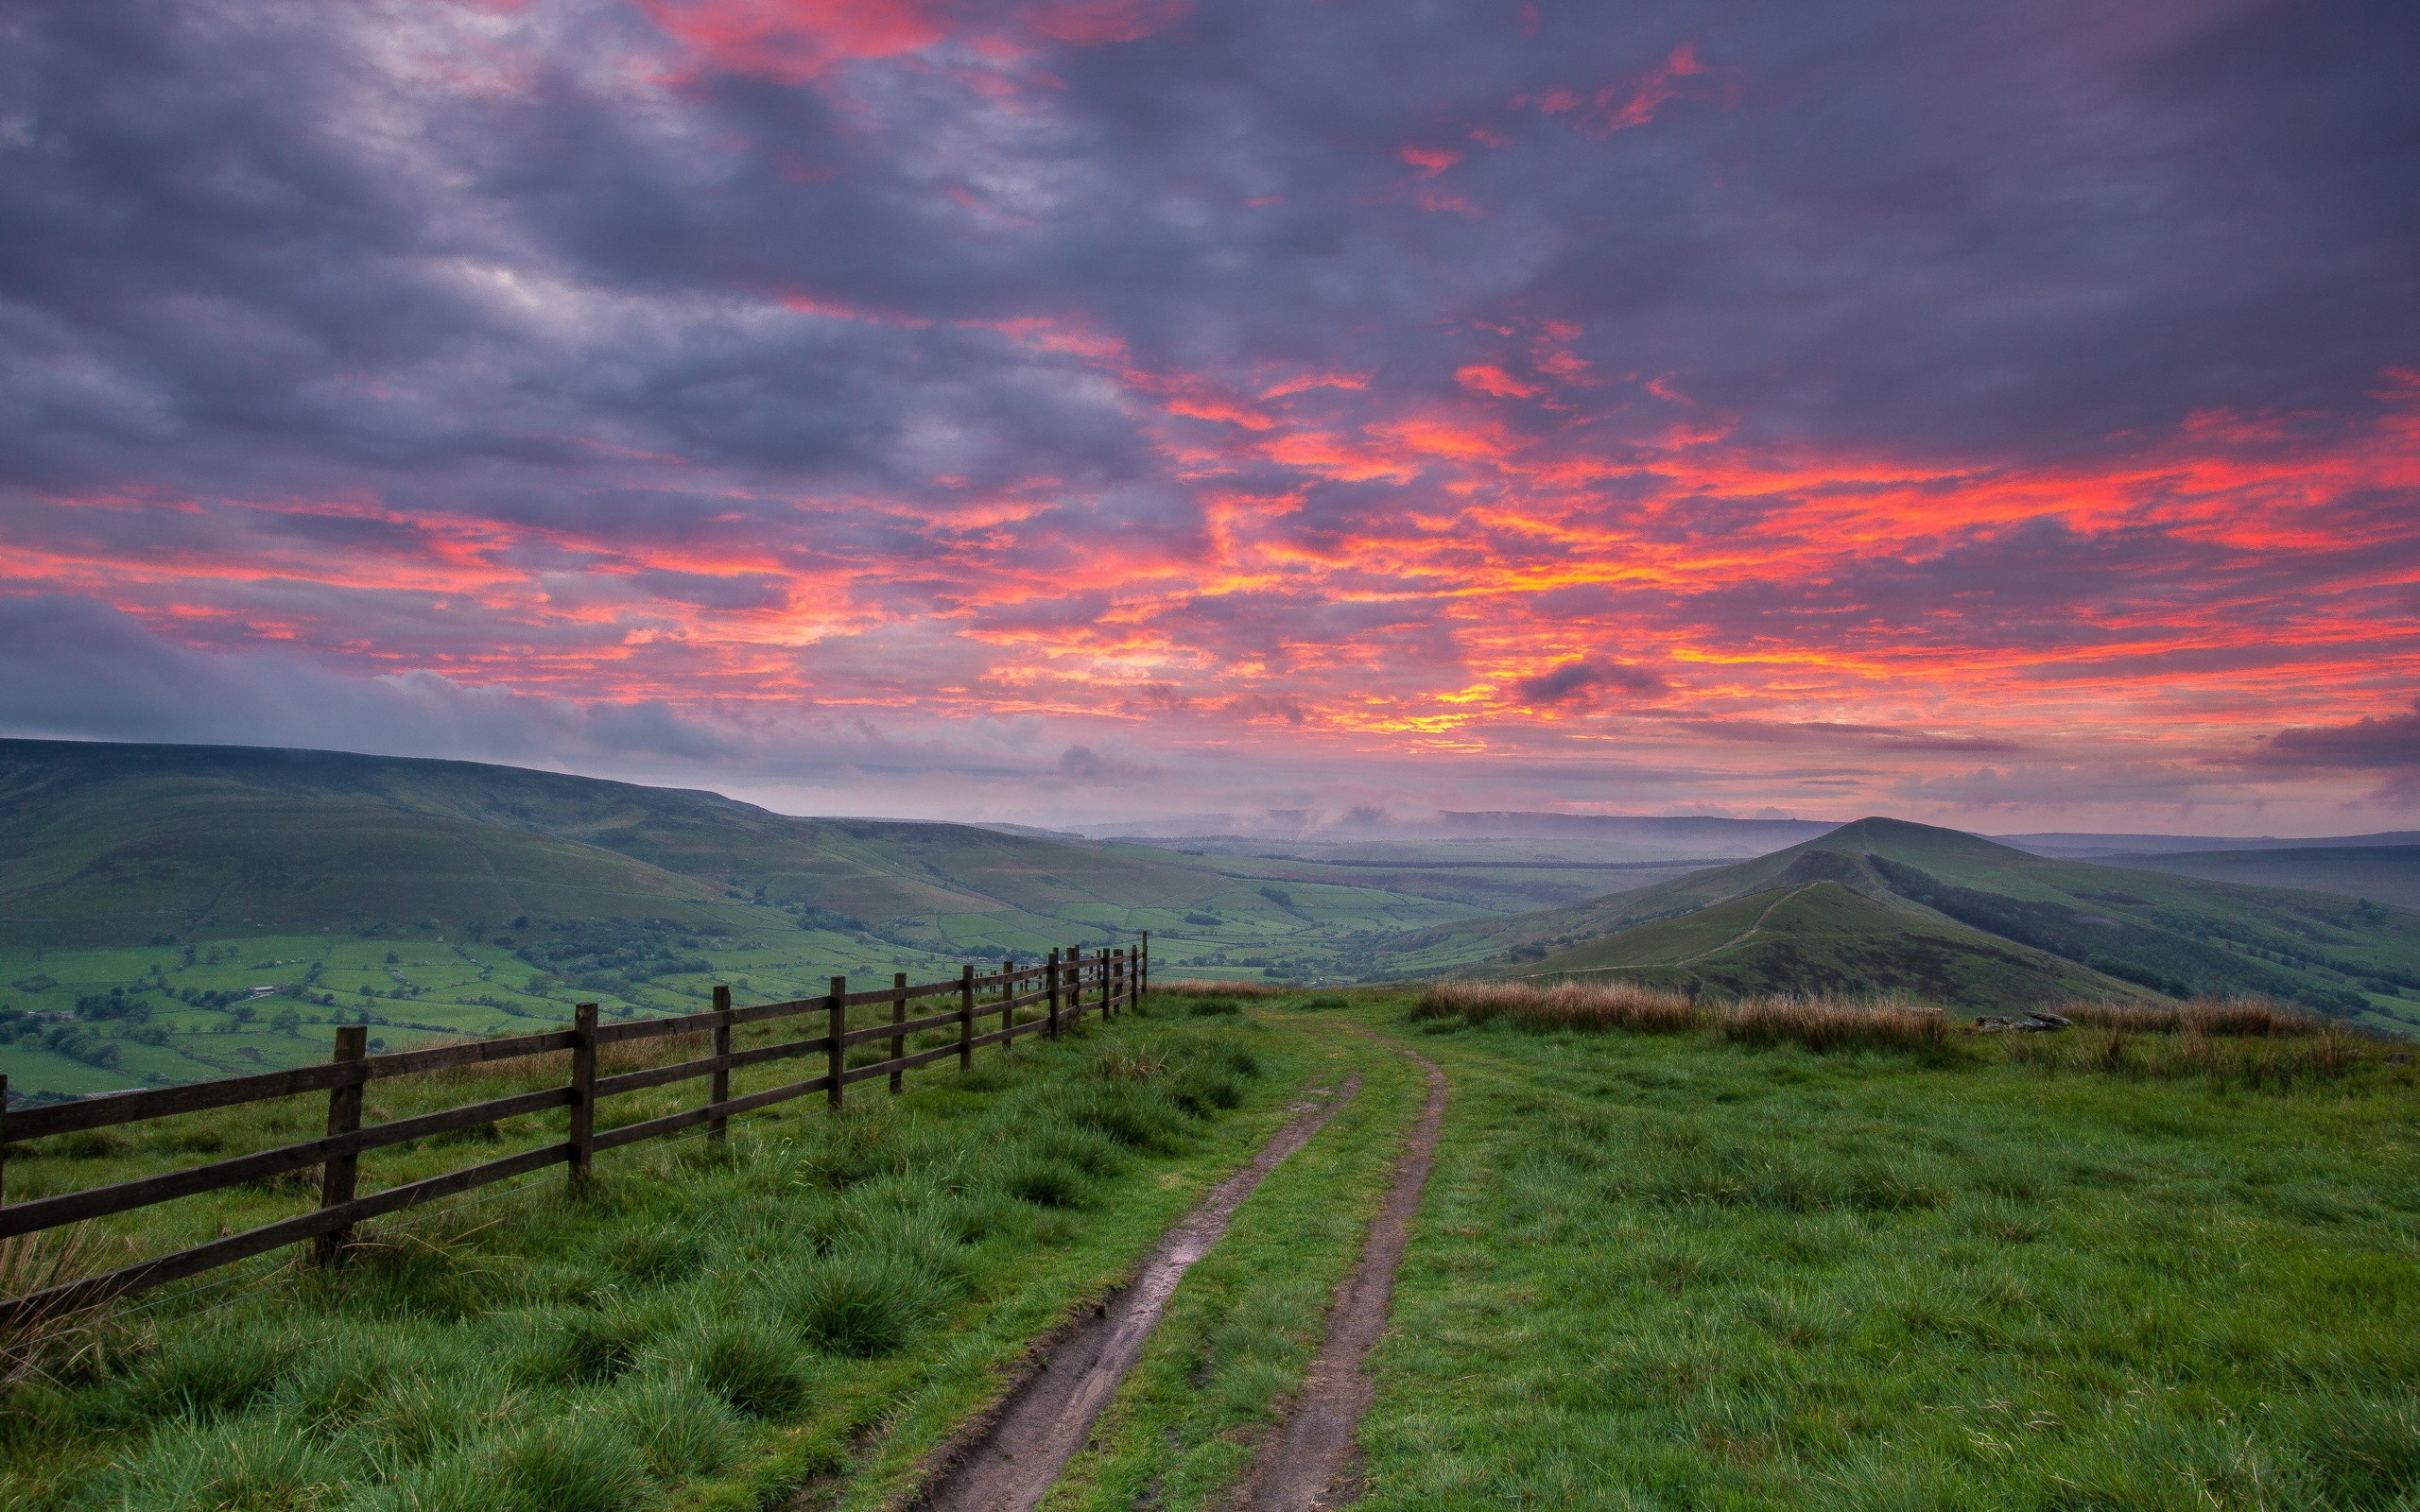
(1008, 1461)
(1309, 1464)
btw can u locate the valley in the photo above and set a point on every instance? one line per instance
(175, 913)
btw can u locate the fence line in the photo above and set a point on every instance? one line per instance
(1116, 978)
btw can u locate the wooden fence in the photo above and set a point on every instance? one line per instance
(1068, 983)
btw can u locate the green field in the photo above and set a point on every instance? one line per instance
(1652, 1270)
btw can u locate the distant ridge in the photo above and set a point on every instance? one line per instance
(2093, 846)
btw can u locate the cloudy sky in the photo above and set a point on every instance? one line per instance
(2002, 415)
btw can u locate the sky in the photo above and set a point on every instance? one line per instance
(2003, 415)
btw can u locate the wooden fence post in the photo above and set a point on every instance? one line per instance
(1008, 1001)
(898, 1015)
(1050, 981)
(1108, 986)
(967, 1018)
(340, 1173)
(719, 1084)
(4, 1131)
(1143, 968)
(583, 1094)
(834, 1058)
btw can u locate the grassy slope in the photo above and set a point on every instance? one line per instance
(1821, 937)
(1663, 1273)
(305, 870)
(2061, 925)
(2389, 874)
(629, 1332)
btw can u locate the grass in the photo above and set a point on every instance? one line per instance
(1786, 1253)
(1672, 1269)
(2231, 1041)
(712, 1325)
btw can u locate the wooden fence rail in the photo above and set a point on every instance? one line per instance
(1068, 983)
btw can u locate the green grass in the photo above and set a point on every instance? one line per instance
(2100, 1269)
(826, 1295)
(1665, 1271)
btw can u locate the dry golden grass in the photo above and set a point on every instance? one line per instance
(2238, 1017)
(1831, 1024)
(1561, 1005)
(2240, 1042)
(1819, 1023)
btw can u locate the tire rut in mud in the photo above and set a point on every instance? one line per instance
(1010, 1460)
(1309, 1464)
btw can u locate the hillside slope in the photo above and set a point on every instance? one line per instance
(1992, 925)
(127, 841)
(2385, 873)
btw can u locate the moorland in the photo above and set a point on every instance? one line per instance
(175, 913)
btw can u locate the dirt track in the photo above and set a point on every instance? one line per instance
(1009, 1461)
(1309, 1464)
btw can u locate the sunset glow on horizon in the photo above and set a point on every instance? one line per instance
(1107, 408)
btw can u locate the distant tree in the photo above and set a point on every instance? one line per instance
(288, 1022)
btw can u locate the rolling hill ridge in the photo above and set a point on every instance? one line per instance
(1882, 905)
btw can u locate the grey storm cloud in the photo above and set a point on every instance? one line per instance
(2371, 744)
(238, 247)
(1580, 682)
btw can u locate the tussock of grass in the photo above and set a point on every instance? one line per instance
(859, 1303)
(749, 1367)
(54, 1340)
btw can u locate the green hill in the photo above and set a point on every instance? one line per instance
(174, 912)
(109, 844)
(2386, 873)
(1881, 903)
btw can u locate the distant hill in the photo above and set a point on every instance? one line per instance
(110, 843)
(2109, 847)
(1600, 836)
(2388, 873)
(1882, 905)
